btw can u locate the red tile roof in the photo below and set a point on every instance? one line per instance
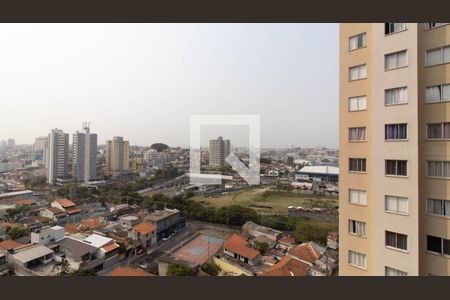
(6, 225)
(65, 202)
(73, 210)
(239, 245)
(288, 266)
(287, 239)
(305, 252)
(123, 271)
(145, 228)
(56, 211)
(10, 244)
(110, 247)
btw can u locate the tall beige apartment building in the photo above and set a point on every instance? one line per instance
(117, 153)
(394, 149)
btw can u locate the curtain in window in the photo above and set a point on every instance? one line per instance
(433, 94)
(402, 241)
(403, 131)
(435, 207)
(390, 239)
(362, 40)
(434, 57)
(353, 42)
(401, 59)
(363, 197)
(446, 92)
(391, 203)
(446, 169)
(391, 168)
(390, 61)
(402, 166)
(353, 104)
(434, 131)
(447, 207)
(394, 272)
(446, 54)
(361, 133)
(389, 97)
(402, 204)
(401, 95)
(362, 71)
(353, 73)
(446, 130)
(362, 102)
(353, 196)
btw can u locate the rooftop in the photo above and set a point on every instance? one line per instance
(306, 252)
(65, 202)
(329, 170)
(251, 225)
(161, 214)
(288, 266)
(124, 271)
(145, 228)
(76, 247)
(97, 240)
(239, 245)
(28, 254)
(10, 244)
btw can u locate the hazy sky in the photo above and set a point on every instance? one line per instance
(142, 81)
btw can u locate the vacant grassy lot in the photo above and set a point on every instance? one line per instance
(265, 199)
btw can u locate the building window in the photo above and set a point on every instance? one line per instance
(396, 131)
(357, 165)
(438, 56)
(438, 207)
(357, 41)
(357, 103)
(390, 28)
(388, 271)
(396, 204)
(438, 131)
(437, 93)
(357, 259)
(396, 167)
(434, 25)
(357, 197)
(396, 240)
(357, 228)
(395, 60)
(438, 245)
(395, 96)
(357, 72)
(357, 134)
(438, 169)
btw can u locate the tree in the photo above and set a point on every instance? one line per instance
(62, 266)
(262, 247)
(159, 147)
(265, 160)
(16, 232)
(308, 231)
(179, 270)
(211, 268)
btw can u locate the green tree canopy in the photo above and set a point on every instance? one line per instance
(179, 270)
(159, 147)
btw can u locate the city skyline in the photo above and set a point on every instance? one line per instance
(151, 77)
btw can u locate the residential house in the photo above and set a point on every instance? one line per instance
(143, 235)
(256, 230)
(59, 216)
(288, 266)
(166, 221)
(127, 271)
(72, 210)
(237, 247)
(286, 243)
(45, 236)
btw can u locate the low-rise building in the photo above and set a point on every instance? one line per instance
(45, 236)
(127, 271)
(237, 247)
(143, 235)
(59, 216)
(73, 212)
(288, 266)
(166, 221)
(256, 230)
(128, 221)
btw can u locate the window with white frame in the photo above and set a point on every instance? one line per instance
(438, 245)
(396, 167)
(388, 271)
(438, 169)
(395, 96)
(434, 25)
(357, 228)
(396, 240)
(395, 60)
(356, 134)
(357, 41)
(396, 131)
(390, 28)
(438, 56)
(357, 165)
(396, 204)
(357, 197)
(357, 103)
(437, 93)
(357, 72)
(438, 131)
(438, 207)
(357, 259)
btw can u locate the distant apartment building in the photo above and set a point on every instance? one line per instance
(219, 149)
(10, 166)
(57, 155)
(11, 142)
(394, 161)
(117, 152)
(84, 163)
(39, 143)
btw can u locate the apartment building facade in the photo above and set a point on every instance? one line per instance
(219, 149)
(394, 157)
(57, 156)
(117, 153)
(84, 163)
